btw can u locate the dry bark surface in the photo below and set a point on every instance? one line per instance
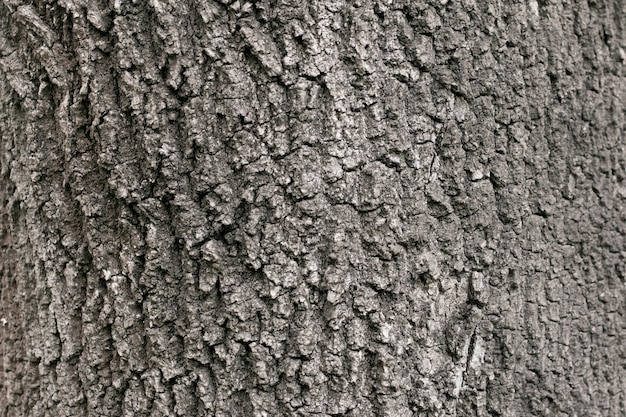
(312, 208)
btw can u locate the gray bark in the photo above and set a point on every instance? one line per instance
(312, 208)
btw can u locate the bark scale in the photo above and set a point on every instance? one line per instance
(321, 207)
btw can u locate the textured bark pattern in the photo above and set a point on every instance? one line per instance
(313, 207)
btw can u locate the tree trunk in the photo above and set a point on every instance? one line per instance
(312, 208)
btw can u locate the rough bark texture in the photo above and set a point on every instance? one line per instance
(312, 208)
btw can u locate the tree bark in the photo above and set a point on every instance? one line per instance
(312, 208)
